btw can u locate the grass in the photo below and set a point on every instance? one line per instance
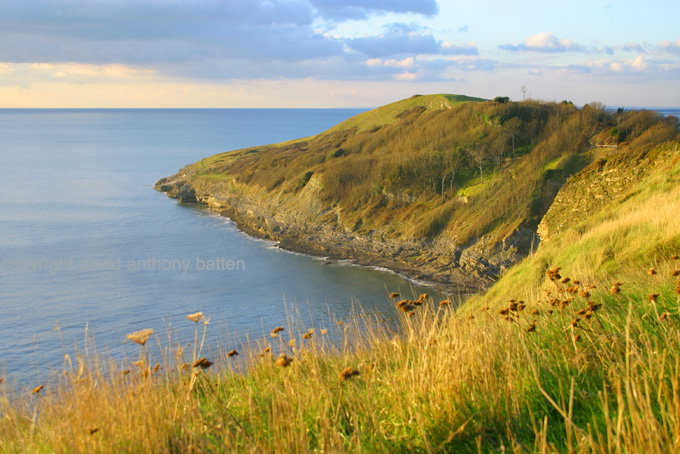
(446, 381)
(387, 114)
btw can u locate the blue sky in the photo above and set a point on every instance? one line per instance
(333, 53)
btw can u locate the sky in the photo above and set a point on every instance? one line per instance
(334, 53)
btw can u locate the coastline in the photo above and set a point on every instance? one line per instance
(448, 269)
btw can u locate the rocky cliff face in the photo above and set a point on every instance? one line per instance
(605, 180)
(302, 223)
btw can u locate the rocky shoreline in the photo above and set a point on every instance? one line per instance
(451, 270)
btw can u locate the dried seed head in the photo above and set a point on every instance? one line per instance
(664, 316)
(394, 295)
(268, 349)
(615, 290)
(325, 330)
(140, 337)
(565, 280)
(407, 307)
(292, 342)
(424, 296)
(594, 307)
(674, 257)
(156, 367)
(203, 363)
(283, 360)
(447, 302)
(348, 373)
(531, 328)
(37, 389)
(307, 335)
(275, 332)
(195, 317)
(94, 431)
(652, 297)
(675, 273)
(232, 353)
(535, 312)
(652, 271)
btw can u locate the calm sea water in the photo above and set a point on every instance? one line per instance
(85, 240)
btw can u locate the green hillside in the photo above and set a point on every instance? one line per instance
(465, 180)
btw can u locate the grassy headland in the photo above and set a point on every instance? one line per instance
(574, 349)
(446, 188)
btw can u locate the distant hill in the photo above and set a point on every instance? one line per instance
(443, 187)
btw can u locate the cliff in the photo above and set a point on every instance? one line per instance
(442, 188)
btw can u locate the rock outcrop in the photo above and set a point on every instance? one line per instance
(299, 224)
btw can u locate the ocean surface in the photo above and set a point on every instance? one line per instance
(87, 244)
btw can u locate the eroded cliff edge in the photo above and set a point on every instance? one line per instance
(300, 223)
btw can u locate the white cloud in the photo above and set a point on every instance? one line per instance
(544, 42)
(405, 76)
(669, 46)
(6, 69)
(81, 71)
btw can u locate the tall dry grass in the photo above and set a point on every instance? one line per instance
(578, 370)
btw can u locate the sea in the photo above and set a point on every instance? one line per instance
(90, 252)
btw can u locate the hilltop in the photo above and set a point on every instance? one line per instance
(444, 188)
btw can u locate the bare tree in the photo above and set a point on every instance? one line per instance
(477, 155)
(499, 145)
(523, 88)
(513, 125)
(451, 163)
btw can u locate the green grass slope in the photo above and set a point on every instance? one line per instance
(389, 113)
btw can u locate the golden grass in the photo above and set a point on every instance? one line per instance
(598, 374)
